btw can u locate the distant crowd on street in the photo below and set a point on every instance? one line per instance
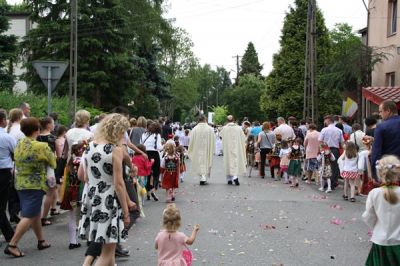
(103, 172)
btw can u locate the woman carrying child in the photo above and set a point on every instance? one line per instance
(144, 166)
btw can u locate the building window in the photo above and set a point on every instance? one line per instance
(392, 17)
(390, 79)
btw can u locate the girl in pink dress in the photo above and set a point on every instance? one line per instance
(170, 243)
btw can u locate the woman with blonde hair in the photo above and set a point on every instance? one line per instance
(14, 126)
(383, 214)
(14, 129)
(78, 134)
(137, 130)
(104, 207)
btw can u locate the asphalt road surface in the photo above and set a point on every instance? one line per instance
(260, 222)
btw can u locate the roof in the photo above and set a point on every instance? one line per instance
(18, 14)
(379, 94)
(363, 30)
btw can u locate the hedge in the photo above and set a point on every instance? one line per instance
(38, 103)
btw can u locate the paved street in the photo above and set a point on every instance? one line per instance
(261, 222)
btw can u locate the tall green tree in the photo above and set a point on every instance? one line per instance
(105, 67)
(8, 49)
(222, 82)
(177, 56)
(285, 84)
(119, 47)
(244, 98)
(249, 63)
(350, 62)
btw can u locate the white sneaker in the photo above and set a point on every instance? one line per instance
(321, 189)
(328, 190)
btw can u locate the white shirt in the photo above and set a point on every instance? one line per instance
(363, 160)
(285, 131)
(332, 136)
(284, 152)
(74, 135)
(304, 130)
(93, 128)
(16, 133)
(383, 217)
(184, 141)
(348, 165)
(356, 137)
(152, 142)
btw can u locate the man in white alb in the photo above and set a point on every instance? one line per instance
(233, 145)
(201, 149)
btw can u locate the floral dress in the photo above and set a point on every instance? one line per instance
(102, 217)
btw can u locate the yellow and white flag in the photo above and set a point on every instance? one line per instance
(349, 107)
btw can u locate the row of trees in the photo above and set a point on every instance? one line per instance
(130, 55)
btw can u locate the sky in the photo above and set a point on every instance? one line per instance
(221, 29)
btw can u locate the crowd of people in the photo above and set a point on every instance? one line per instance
(103, 175)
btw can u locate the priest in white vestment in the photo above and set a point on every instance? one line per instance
(201, 149)
(234, 150)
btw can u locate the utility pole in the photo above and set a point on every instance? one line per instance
(237, 66)
(310, 88)
(362, 114)
(73, 57)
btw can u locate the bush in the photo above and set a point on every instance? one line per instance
(220, 114)
(38, 103)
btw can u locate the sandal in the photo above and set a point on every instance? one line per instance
(352, 199)
(46, 222)
(345, 197)
(8, 252)
(42, 245)
(54, 212)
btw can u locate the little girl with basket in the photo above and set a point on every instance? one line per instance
(72, 190)
(172, 244)
(284, 160)
(325, 158)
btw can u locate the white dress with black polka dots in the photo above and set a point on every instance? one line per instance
(101, 214)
